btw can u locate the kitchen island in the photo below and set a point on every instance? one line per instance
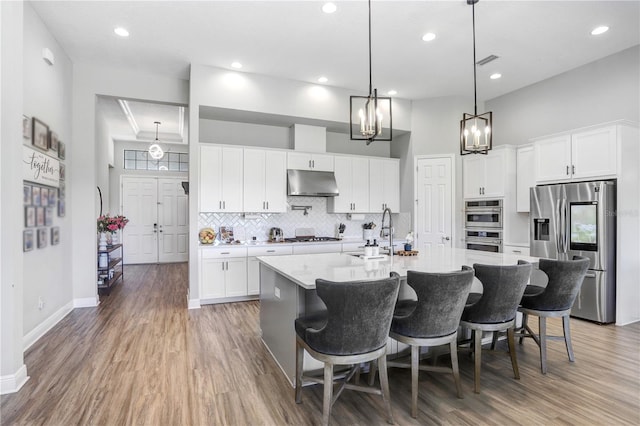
(287, 288)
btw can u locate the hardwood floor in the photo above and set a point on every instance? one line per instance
(142, 358)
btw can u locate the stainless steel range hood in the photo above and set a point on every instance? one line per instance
(312, 183)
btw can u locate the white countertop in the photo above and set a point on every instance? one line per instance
(303, 269)
(218, 244)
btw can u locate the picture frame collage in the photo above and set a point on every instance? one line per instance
(43, 203)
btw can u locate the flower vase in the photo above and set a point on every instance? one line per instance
(102, 244)
(109, 239)
(114, 238)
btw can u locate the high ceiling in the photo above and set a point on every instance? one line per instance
(534, 40)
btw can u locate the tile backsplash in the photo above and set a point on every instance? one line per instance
(325, 224)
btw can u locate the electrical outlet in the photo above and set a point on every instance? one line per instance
(277, 293)
(40, 303)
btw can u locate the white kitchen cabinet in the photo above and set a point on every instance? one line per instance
(384, 184)
(253, 265)
(484, 175)
(352, 177)
(223, 272)
(221, 173)
(517, 250)
(317, 248)
(310, 161)
(580, 155)
(525, 175)
(265, 181)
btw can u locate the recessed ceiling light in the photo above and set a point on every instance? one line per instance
(323, 80)
(329, 7)
(600, 30)
(495, 76)
(122, 32)
(392, 92)
(428, 37)
(236, 64)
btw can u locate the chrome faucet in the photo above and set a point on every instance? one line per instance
(389, 229)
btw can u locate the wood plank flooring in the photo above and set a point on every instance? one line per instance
(142, 358)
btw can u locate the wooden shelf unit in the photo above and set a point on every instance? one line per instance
(115, 263)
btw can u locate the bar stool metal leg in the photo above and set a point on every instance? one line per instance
(384, 387)
(299, 360)
(567, 337)
(542, 321)
(454, 366)
(512, 351)
(328, 393)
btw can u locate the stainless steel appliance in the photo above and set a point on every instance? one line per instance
(307, 235)
(484, 240)
(312, 183)
(483, 214)
(579, 219)
(276, 235)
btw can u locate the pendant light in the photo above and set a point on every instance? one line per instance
(368, 115)
(476, 130)
(155, 150)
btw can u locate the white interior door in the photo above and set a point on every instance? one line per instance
(139, 205)
(173, 221)
(434, 209)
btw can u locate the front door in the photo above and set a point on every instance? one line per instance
(158, 227)
(434, 203)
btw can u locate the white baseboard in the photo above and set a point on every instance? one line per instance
(31, 337)
(86, 302)
(13, 382)
(627, 322)
(193, 303)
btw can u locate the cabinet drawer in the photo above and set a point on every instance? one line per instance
(359, 246)
(317, 248)
(270, 250)
(518, 250)
(223, 252)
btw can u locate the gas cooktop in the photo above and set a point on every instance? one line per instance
(309, 239)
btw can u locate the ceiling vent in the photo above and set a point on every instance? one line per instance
(486, 60)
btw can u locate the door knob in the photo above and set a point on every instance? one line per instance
(445, 239)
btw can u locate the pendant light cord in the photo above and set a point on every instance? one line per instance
(475, 92)
(370, 85)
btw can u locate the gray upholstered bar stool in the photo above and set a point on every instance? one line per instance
(556, 300)
(432, 320)
(503, 287)
(354, 329)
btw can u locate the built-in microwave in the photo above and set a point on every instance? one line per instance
(483, 214)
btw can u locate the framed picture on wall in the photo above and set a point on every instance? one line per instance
(44, 197)
(40, 134)
(63, 172)
(61, 150)
(53, 196)
(26, 129)
(53, 141)
(61, 190)
(55, 235)
(29, 217)
(35, 194)
(39, 216)
(26, 200)
(48, 216)
(42, 237)
(27, 240)
(61, 208)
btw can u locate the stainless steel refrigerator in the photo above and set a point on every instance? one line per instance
(579, 219)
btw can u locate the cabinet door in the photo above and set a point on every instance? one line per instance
(275, 181)
(253, 276)
(254, 180)
(594, 153)
(232, 171)
(210, 179)
(391, 185)
(298, 161)
(360, 184)
(236, 277)
(212, 277)
(377, 192)
(343, 203)
(472, 175)
(525, 177)
(553, 159)
(322, 162)
(494, 174)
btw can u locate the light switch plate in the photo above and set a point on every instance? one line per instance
(277, 293)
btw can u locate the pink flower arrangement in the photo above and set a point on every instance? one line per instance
(108, 223)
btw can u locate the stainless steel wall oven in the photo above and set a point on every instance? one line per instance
(484, 240)
(483, 214)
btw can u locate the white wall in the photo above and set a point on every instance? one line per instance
(47, 95)
(598, 92)
(13, 372)
(88, 82)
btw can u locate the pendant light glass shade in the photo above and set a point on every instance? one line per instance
(155, 150)
(370, 116)
(476, 130)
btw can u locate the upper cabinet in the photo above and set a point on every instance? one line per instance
(525, 177)
(484, 176)
(309, 161)
(384, 184)
(578, 155)
(352, 177)
(265, 181)
(221, 174)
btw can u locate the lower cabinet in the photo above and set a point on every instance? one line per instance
(223, 272)
(517, 250)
